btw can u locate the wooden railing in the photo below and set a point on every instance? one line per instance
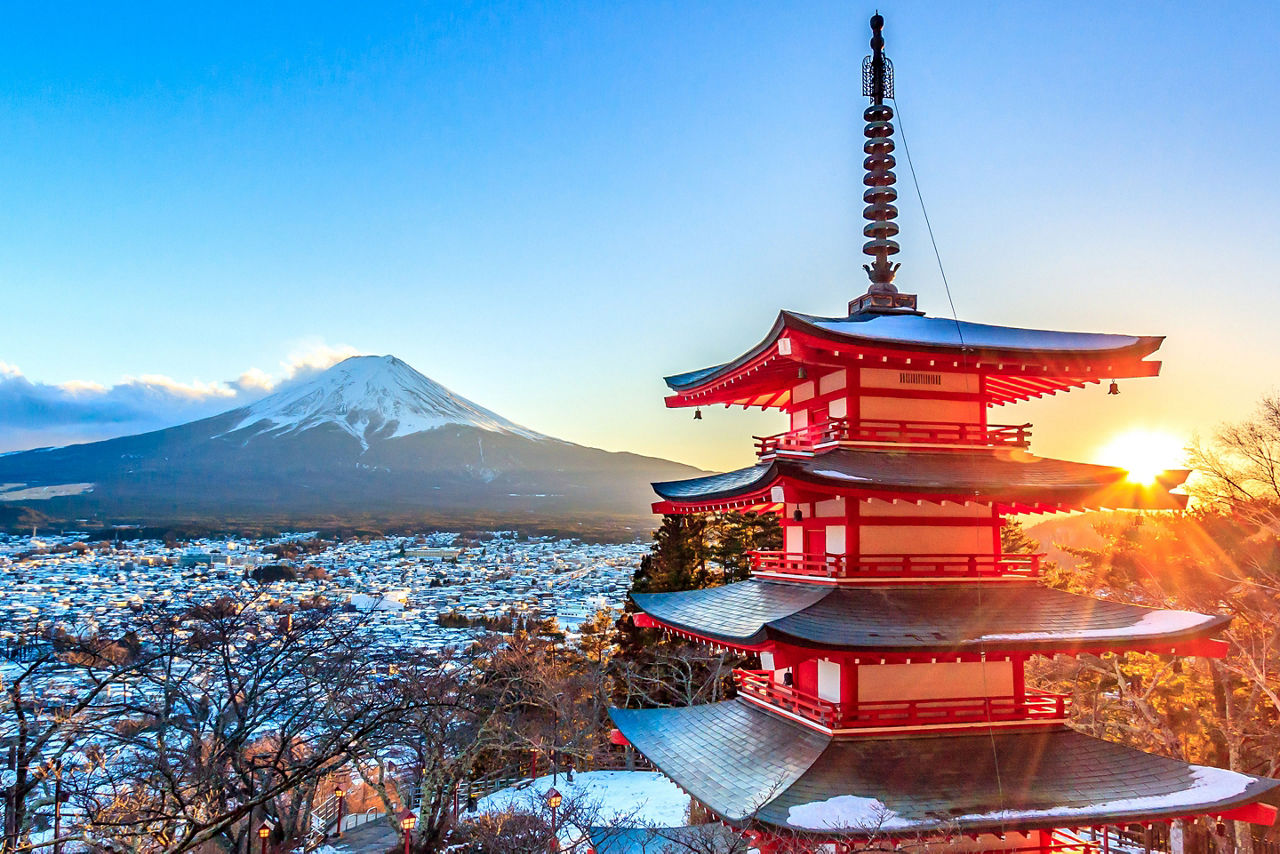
(959, 709)
(791, 563)
(760, 684)
(897, 566)
(900, 713)
(806, 440)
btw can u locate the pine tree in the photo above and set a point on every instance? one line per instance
(689, 553)
(678, 559)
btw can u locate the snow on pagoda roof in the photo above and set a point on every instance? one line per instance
(1063, 352)
(945, 332)
(749, 765)
(917, 618)
(1005, 475)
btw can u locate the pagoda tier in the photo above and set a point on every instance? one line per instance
(751, 767)
(891, 627)
(922, 621)
(1011, 480)
(993, 364)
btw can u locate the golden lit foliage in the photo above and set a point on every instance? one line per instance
(1214, 711)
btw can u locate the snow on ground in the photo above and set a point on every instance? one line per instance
(10, 492)
(643, 798)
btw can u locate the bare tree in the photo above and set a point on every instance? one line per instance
(448, 715)
(528, 827)
(675, 674)
(235, 713)
(1212, 710)
(51, 700)
(1239, 470)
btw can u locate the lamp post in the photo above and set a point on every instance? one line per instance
(407, 821)
(554, 799)
(57, 807)
(341, 795)
(264, 831)
(555, 736)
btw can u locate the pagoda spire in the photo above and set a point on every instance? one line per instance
(880, 195)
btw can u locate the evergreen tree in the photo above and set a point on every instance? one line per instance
(693, 552)
(733, 535)
(678, 559)
(689, 553)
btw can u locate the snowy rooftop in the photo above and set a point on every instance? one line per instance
(747, 764)
(945, 332)
(936, 334)
(981, 474)
(914, 617)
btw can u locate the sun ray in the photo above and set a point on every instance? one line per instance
(1144, 453)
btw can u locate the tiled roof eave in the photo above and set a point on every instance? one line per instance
(1009, 481)
(933, 620)
(1195, 642)
(807, 325)
(755, 769)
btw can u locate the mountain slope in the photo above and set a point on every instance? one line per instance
(370, 437)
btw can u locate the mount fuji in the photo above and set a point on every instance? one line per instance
(368, 441)
(372, 398)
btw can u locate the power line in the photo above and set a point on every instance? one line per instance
(964, 357)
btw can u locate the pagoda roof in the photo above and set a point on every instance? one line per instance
(749, 765)
(1008, 476)
(935, 619)
(1051, 360)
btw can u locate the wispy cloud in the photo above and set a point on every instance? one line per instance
(313, 355)
(34, 413)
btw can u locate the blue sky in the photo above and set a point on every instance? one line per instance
(548, 206)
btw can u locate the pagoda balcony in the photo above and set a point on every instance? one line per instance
(892, 567)
(759, 685)
(807, 441)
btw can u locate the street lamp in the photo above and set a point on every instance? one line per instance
(264, 831)
(407, 821)
(554, 798)
(341, 795)
(58, 797)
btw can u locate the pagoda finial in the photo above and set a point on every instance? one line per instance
(880, 212)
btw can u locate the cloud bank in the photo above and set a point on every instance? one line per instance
(36, 414)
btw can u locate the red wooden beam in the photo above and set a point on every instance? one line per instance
(929, 521)
(644, 621)
(1255, 813)
(1025, 387)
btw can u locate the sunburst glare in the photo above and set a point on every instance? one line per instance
(1144, 453)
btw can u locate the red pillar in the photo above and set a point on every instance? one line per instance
(1019, 681)
(848, 688)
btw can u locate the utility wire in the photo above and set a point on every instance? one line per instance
(915, 180)
(964, 357)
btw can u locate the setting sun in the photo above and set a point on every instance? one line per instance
(1144, 453)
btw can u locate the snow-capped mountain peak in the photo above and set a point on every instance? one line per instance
(369, 397)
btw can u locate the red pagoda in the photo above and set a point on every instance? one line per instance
(892, 630)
